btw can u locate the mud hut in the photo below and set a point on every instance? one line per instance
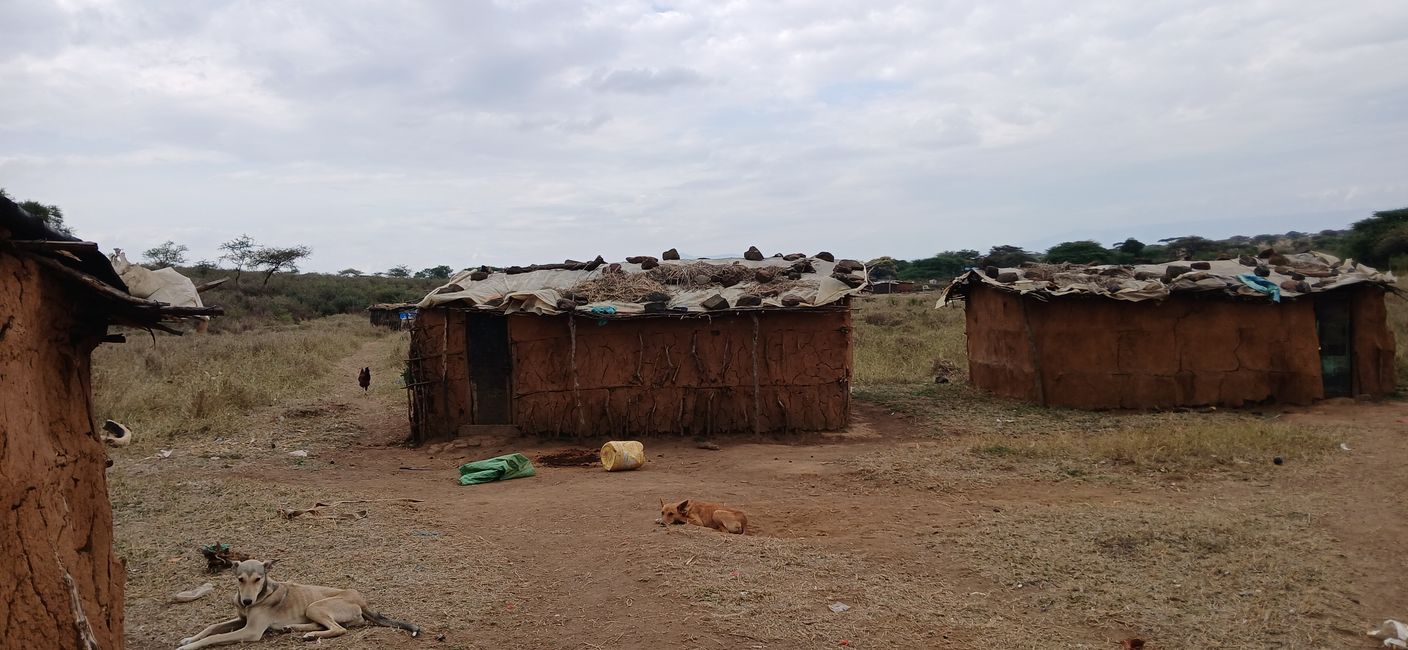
(891, 286)
(63, 584)
(646, 346)
(396, 316)
(1283, 328)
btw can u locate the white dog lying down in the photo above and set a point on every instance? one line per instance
(1394, 634)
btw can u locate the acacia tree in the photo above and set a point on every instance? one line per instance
(1079, 252)
(1130, 246)
(1006, 256)
(435, 272)
(279, 258)
(401, 271)
(1380, 238)
(240, 252)
(168, 253)
(50, 214)
(349, 273)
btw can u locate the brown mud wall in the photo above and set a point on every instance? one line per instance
(61, 585)
(1099, 353)
(1000, 358)
(1374, 371)
(439, 375)
(780, 371)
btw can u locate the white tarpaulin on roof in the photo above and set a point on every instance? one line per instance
(1290, 275)
(539, 291)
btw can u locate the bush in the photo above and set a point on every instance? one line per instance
(297, 297)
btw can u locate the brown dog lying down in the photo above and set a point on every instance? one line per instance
(699, 513)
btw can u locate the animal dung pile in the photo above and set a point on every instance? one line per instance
(568, 458)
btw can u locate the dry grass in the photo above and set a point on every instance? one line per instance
(900, 339)
(1180, 445)
(701, 274)
(1398, 322)
(618, 287)
(977, 434)
(1210, 575)
(407, 565)
(206, 384)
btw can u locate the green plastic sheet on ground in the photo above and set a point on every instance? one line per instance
(498, 468)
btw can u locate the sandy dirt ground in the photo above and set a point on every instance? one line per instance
(926, 546)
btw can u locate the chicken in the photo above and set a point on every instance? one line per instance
(364, 379)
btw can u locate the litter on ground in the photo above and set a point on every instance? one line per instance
(316, 511)
(498, 468)
(193, 594)
(1393, 633)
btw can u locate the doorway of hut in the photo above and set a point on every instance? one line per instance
(1334, 326)
(486, 339)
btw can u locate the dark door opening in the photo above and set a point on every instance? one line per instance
(489, 368)
(1333, 324)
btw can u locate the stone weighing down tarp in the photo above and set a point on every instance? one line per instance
(1278, 276)
(542, 291)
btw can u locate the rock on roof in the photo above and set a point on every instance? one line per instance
(1269, 276)
(645, 285)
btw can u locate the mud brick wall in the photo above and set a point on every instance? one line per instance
(1374, 371)
(62, 583)
(689, 376)
(1090, 352)
(439, 375)
(1000, 358)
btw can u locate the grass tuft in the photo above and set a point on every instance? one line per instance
(901, 339)
(206, 383)
(1186, 445)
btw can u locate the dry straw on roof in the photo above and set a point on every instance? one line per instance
(702, 274)
(618, 287)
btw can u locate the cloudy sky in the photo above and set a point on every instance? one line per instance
(383, 133)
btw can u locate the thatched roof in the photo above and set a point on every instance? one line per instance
(1269, 276)
(84, 266)
(644, 285)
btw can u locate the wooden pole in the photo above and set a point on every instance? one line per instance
(1035, 352)
(576, 385)
(757, 395)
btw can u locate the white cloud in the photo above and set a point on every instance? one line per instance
(521, 131)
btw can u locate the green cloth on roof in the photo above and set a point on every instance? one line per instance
(498, 468)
